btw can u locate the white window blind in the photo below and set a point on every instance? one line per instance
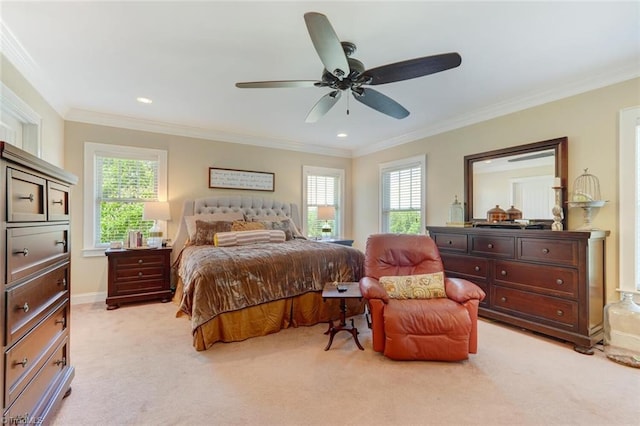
(402, 197)
(322, 187)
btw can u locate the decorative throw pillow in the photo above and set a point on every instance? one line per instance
(190, 221)
(206, 231)
(233, 238)
(278, 222)
(241, 225)
(424, 286)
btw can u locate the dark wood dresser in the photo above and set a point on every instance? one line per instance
(35, 267)
(138, 275)
(550, 282)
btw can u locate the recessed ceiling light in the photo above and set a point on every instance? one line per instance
(342, 135)
(143, 100)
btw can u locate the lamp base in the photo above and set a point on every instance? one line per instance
(155, 236)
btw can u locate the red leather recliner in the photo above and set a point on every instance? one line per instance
(443, 329)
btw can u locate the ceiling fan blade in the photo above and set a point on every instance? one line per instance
(413, 68)
(380, 102)
(277, 84)
(327, 44)
(323, 106)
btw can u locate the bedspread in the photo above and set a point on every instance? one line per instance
(224, 279)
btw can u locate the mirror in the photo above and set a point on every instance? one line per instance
(521, 176)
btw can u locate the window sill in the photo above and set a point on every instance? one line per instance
(93, 252)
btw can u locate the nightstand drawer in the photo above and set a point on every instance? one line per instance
(139, 260)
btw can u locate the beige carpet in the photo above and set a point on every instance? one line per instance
(135, 365)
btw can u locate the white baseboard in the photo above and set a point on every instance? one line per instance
(99, 296)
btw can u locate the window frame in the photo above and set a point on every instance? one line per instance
(401, 164)
(340, 208)
(91, 149)
(629, 210)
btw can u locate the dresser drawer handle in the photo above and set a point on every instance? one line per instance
(449, 242)
(24, 307)
(139, 274)
(62, 361)
(23, 363)
(559, 281)
(29, 197)
(559, 312)
(477, 269)
(24, 252)
(57, 202)
(63, 242)
(503, 273)
(490, 245)
(503, 299)
(63, 282)
(62, 321)
(545, 250)
(140, 261)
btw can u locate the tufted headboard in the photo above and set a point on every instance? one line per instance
(249, 206)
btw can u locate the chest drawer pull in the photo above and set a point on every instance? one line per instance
(29, 197)
(140, 261)
(63, 242)
(449, 242)
(560, 312)
(559, 281)
(490, 245)
(63, 283)
(139, 274)
(62, 361)
(23, 362)
(24, 307)
(503, 273)
(62, 321)
(24, 252)
(477, 269)
(503, 299)
(57, 202)
(545, 250)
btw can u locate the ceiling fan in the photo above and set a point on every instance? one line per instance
(342, 72)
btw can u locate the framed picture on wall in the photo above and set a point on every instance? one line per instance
(241, 179)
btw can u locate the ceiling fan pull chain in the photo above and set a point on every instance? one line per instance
(347, 105)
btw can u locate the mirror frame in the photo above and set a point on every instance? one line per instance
(560, 147)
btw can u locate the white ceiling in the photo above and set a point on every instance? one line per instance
(91, 60)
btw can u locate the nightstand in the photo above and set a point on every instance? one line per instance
(337, 240)
(138, 275)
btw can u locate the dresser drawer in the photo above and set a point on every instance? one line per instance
(561, 252)
(30, 249)
(553, 311)
(552, 280)
(451, 242)
(494, 246)
(25, 197)
(476, 267)
(57, 201)
(26, 357)
(28, 302)
(46, 383)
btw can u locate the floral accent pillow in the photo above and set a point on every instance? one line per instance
(241, 225)
(424, 286)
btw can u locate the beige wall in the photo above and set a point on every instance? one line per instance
(589, 120)
(189, 161)
(52, 131)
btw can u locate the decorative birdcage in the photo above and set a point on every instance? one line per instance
(586, 195)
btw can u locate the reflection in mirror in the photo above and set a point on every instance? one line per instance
(520, 181)
(520, 176)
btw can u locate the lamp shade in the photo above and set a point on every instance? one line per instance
(156, 210)
(326, 212)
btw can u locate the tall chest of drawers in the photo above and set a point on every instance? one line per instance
(550, 282)
(35, 266)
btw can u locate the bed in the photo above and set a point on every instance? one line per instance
(235, 291)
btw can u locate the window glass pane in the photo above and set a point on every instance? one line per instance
(402, 199)
(322, 190)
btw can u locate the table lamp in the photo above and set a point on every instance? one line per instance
(326, 213)
(155, 210)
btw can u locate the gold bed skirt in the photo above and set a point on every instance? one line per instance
(303, 310)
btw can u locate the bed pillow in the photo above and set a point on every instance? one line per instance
(280, 223)
(206, 231)
(190, 221)
(241, 225)
(235, 238)
(424, 286)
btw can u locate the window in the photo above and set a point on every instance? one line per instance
(118, 180)
(402, 194)
(629, 197)
(322, 187)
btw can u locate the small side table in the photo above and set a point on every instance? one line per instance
(330, 291)
(341, 241)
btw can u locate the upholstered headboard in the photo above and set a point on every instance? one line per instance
(249, 206)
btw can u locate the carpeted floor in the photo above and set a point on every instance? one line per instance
(136, 366)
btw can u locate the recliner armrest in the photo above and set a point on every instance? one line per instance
(461, 290)
(371, 289)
